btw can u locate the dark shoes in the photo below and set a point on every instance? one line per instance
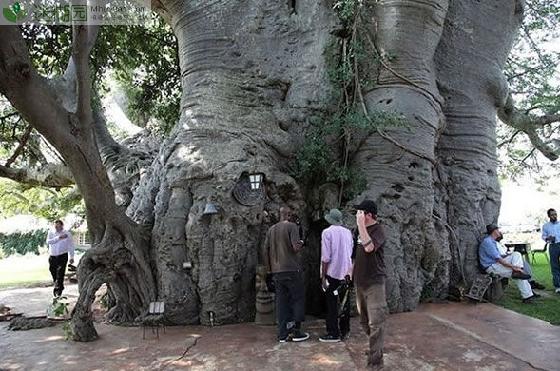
(299, 335)
(530, 300)
(537, 286)
(296, 336)
(329, 339)
(519, 276)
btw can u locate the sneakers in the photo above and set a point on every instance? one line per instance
(296, 336)
(557, 290)
(299, 335)
(329, 339)
(519, 276)
(537, 286)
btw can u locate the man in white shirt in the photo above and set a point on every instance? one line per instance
(60, 247)
(551, 234)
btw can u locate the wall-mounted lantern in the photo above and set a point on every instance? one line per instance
(256, 181)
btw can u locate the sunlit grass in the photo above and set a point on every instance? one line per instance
(546, 308)
(17, 271)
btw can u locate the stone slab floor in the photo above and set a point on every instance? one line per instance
(453, 336)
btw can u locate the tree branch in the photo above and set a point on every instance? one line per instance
(529, 124)
(83, 39)
(20, 147)
(21, 84)
(52, 176)
(5, 117)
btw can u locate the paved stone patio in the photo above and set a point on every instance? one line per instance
(451, 336)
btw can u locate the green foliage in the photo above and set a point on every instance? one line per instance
(346, 9)
(67, 330)
(532, 70)
(59, 306)
(39, 201)
(325, 153)
(319, 161)
(144, 60)
(22, 243)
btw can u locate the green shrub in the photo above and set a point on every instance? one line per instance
(22, 243)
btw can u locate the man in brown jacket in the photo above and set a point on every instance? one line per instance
(281, 255)
(369, 278)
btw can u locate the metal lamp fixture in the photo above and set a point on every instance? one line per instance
(210, 209)
(256, 181)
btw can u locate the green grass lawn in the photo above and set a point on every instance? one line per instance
(17, 271)
(547, 307)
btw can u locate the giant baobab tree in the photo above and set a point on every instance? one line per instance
(410, 89)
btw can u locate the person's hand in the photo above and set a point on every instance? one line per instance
(360, 217)
(324, 283)
(517, 269)
(71, 261)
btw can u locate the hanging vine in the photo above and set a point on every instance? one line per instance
(352, 66)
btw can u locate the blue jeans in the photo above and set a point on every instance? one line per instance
(554, 250)
(290, 300)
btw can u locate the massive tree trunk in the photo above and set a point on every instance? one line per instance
(476, 41)
(254, 75)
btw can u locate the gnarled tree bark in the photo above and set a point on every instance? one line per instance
(119, 255)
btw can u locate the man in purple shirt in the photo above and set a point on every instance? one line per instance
(336, 267)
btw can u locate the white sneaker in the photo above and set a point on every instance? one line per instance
(557, 290)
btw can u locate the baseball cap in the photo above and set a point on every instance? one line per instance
(368, 206)
(491, 228)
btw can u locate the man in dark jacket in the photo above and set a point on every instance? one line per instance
(281, 255)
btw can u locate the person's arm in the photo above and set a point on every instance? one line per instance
(491, 249)
(367, 242)
(297, 243)
(266, 252)
(325, 256)
(351, 268)
(52, 238)
(545, 233)
(507, 265)
(71, 247)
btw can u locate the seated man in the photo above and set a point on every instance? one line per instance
(526, 267)
(510, 266)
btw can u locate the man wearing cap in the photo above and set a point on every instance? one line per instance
(551, 234)
(369, 278)
(510, 266)
(281, 255)
(336, 267)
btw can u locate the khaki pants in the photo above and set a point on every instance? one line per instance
(372, 308)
